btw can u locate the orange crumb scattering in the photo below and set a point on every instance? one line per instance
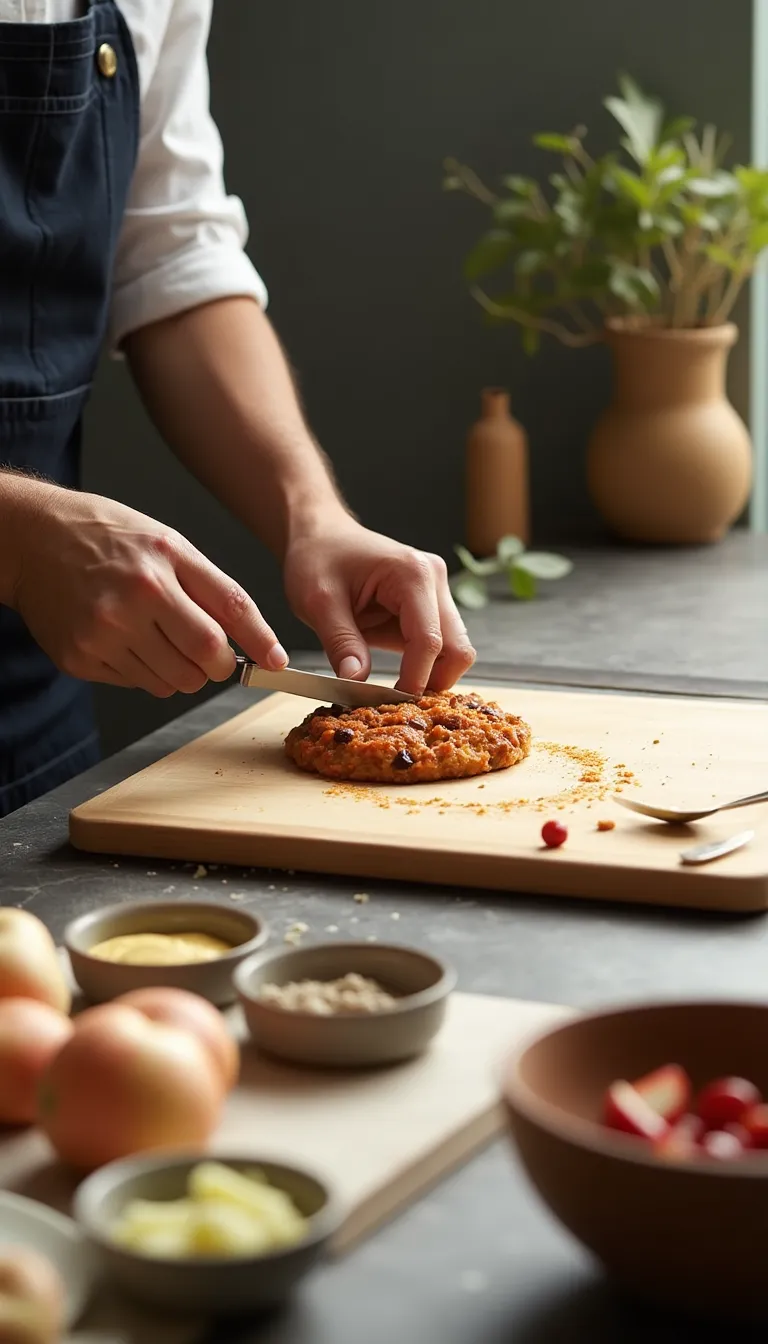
(606, 825)
(593, 780)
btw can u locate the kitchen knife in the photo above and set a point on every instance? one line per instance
(324, 690)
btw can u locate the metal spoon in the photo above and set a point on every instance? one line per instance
(673, 814)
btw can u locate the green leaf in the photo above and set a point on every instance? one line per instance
(634, 285)
(638, 115)
(508, 549)
(543, 565)
(522, 186)
(677, 128)
(469, 591)
(758, 238)
(714, 187)
(591, 274)
(522, 584)
(488, 254)
(722, 257)
(530, 261)
(475, 566)
(632, 186)
(506, 212)
(531, 340)
(559, 144)
(670, 176)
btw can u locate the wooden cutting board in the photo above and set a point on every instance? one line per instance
(381, 1137)
(233, 797)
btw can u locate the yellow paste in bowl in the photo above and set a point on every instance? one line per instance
(160, 949)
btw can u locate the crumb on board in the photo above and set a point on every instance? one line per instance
(361, 897)
(656, 741)
(331, 928)
(606, 825)
(200, 871)
(237, 895)
(395, 914)
(596, 780)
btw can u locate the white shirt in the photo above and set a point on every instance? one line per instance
(183, 237)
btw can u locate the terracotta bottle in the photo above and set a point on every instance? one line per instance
(496, 476)
(670, 461)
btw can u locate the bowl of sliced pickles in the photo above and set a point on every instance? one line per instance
(226, 1235)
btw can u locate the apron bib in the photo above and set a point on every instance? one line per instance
(69, 129)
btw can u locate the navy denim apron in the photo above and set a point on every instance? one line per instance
(69, 125)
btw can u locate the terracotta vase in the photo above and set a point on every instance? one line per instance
(670, 461)
(496, 476)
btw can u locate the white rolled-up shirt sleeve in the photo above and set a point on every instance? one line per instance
(183, 238)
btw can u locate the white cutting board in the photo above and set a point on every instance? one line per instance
(380, 1137)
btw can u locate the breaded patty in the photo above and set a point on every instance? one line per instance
(445, 736)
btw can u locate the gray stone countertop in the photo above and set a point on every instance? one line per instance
(478, 1261)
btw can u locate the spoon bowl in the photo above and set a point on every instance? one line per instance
(679, 817)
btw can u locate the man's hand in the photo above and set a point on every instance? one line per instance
(114, 596)
(218, 387)
(359, 590)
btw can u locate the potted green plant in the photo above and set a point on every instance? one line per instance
(646, 248)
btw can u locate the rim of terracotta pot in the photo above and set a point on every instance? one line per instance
(726, 333)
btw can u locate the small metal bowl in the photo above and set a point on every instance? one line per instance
(101, 980)
(209, 1285)
(420, 982)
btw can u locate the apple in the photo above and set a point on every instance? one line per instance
(124, 1084)
(681, 1141)
(30, 1035)
(721, 1145)
(726, 1101)
(755, 1121)
(29, 964)
(32, 1298)
(179, 1008)
(667, 1091)
(628, 1112)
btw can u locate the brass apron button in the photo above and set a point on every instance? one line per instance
(107, 59)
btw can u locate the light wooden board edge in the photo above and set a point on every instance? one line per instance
(417, 1180)
(441, 866)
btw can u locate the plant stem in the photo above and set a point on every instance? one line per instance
(563, 333)
(732, 290)
(471, 182)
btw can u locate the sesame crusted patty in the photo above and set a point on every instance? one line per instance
(445, 736)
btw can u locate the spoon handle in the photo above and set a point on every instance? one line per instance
(746, 802)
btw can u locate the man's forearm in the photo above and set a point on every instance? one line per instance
(20, 498)
(219, 389)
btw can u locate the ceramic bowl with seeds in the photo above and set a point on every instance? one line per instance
(344, 1005)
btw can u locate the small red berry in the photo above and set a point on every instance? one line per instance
(554, 834)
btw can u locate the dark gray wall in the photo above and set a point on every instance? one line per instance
(336, 119)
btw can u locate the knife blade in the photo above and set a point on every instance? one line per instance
(324, 690)
(717, 849)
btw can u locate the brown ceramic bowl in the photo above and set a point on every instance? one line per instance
(101, 980)
(689, 1235)
(421, 983)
